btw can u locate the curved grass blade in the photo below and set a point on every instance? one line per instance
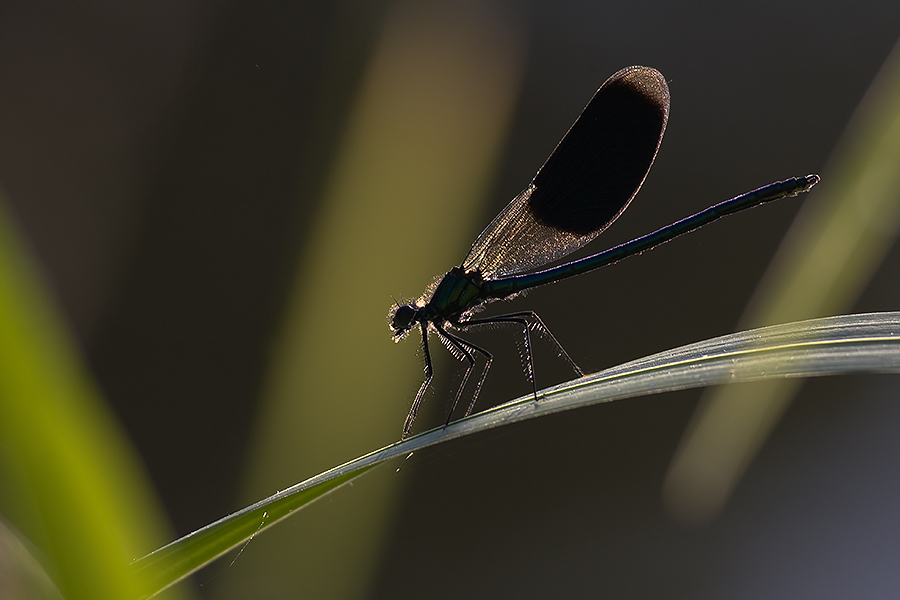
(866, 343)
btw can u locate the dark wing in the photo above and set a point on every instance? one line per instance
(587, 182)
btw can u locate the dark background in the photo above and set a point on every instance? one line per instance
(164, 158)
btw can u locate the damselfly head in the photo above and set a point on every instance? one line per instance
(402, 318)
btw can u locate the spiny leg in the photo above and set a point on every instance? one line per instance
(487, 366)
(429, 374)
(527, 319)
(529, 361)
(461, 345)
(529, 357)
(539, 325)
(463, 354)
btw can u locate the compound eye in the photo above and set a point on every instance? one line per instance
(403, 318)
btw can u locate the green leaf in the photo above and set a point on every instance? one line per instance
(70, 482)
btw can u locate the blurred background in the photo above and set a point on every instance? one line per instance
(226, 197)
